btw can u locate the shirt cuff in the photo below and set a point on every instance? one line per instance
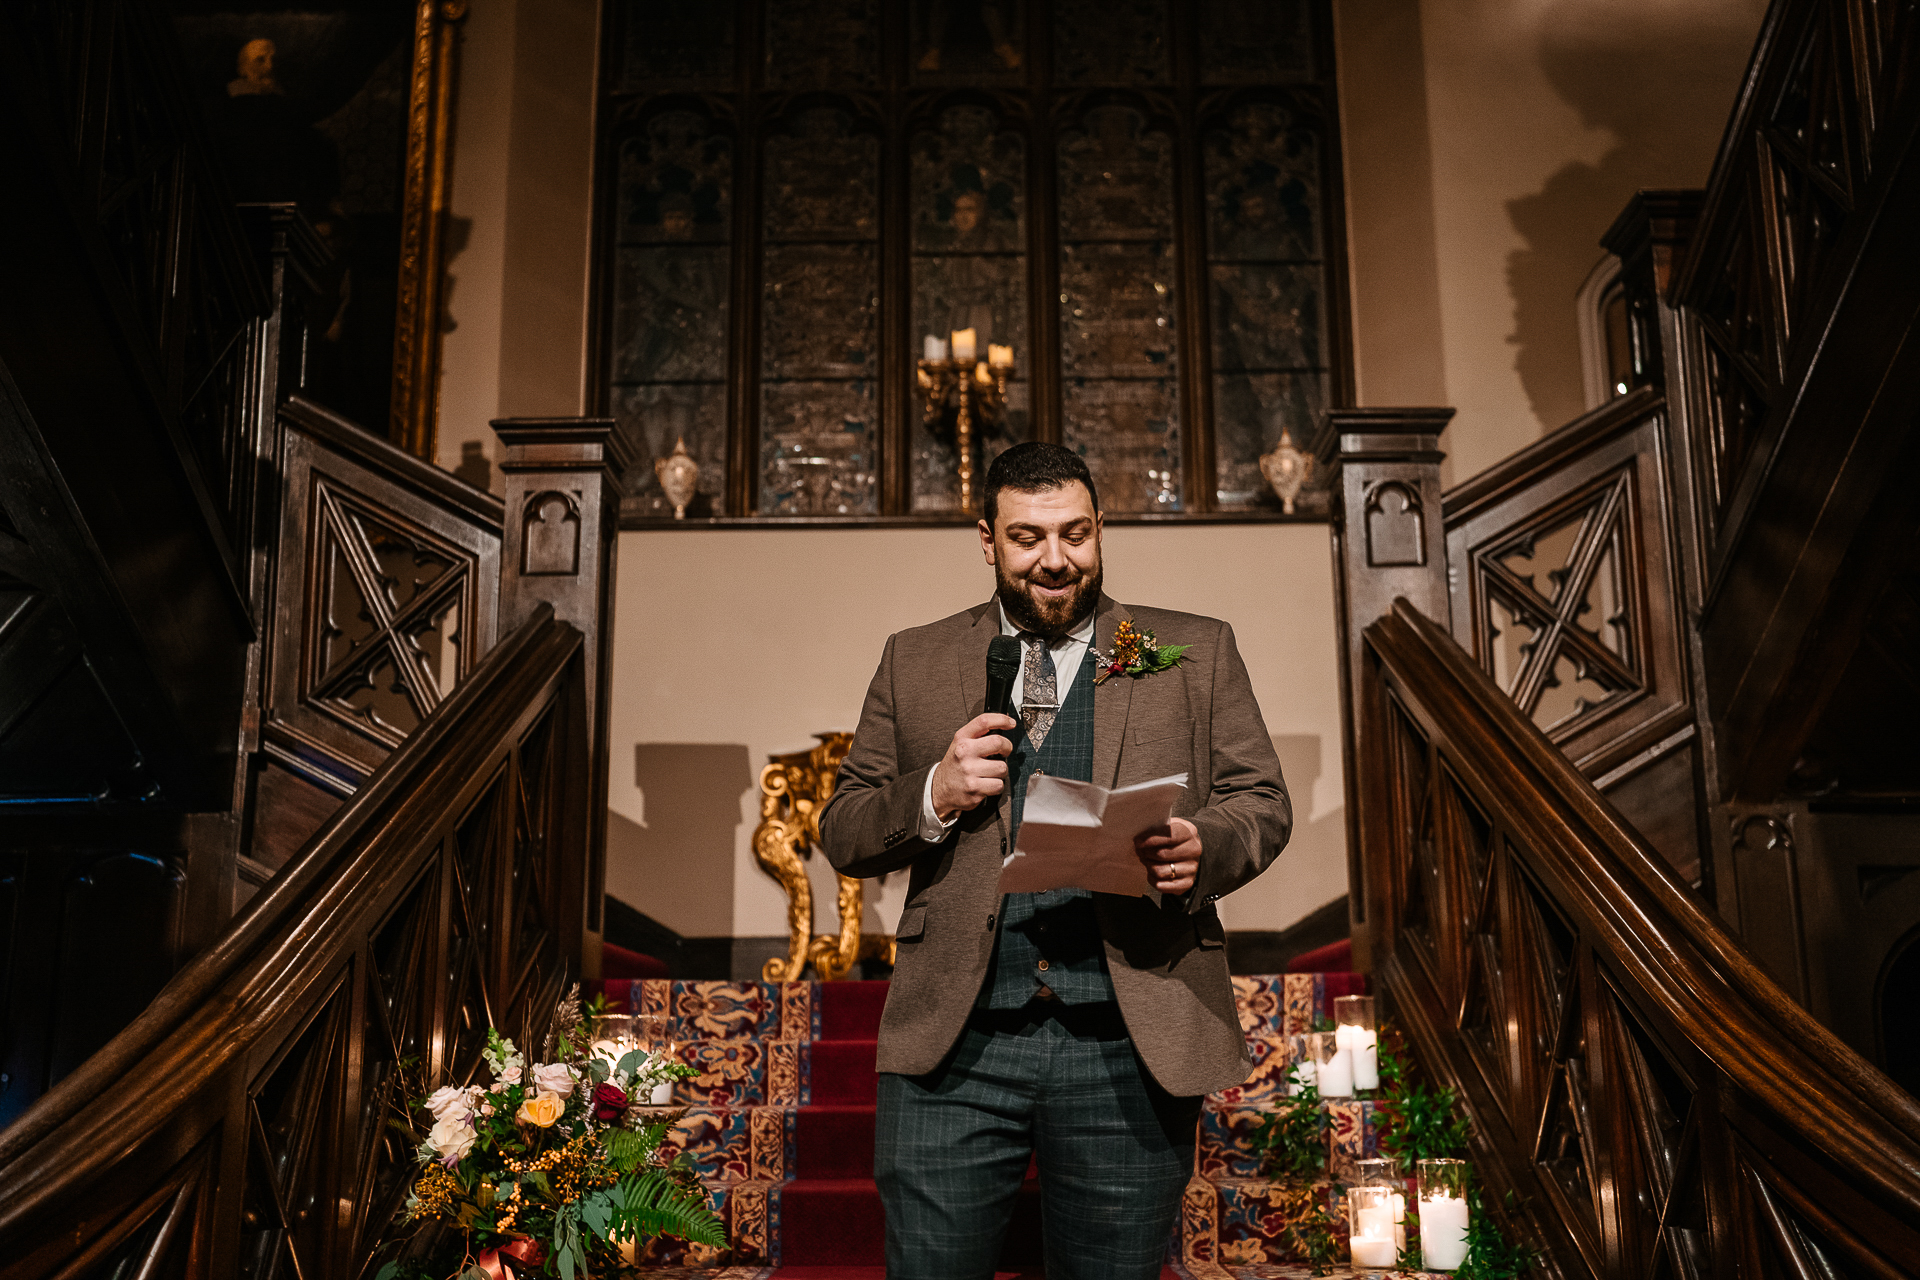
(932, 830)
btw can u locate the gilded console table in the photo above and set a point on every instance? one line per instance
(794, 788)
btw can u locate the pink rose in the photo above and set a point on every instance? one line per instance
(553, 1077)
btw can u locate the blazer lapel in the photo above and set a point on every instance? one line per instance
(1111, 698)
(973, 659)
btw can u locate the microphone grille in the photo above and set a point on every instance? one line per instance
(1003, 657)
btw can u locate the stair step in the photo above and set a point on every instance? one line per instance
(844, 1073)
(833, 1142)
(851, 1010)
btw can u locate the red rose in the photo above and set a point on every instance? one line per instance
(609, 1100)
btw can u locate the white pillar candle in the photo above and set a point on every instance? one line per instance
(963, 346)
(1373, 1253)
(1443, 1232)
(663, 1094)
(998, 356)
(1399, 1222)
(1366, 1060)
(1336, 1075)
(934, 348)
(1304, 1072)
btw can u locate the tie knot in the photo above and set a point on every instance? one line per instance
(1033, 640)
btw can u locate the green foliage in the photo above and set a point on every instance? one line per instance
(1317, 1237)
(1425, 1123)
(1293, 1142)
(1490, 1255)
(653, 1202)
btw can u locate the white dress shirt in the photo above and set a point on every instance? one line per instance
(1068, 652)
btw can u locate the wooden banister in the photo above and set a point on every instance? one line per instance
(239, 1119)
(1630, 1068)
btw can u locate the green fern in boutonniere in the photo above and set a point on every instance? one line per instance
(1136, 654)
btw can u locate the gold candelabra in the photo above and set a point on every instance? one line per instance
(967, 388)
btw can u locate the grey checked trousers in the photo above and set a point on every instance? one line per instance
(951, 1149)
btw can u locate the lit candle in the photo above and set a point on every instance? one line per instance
(1443, 1232)
(981, 374)
(963, 346)
(1374, 1254)
(1371, 1239)
(1336, 1075)
(934, 348)
(1363, 1047)
(998, 356)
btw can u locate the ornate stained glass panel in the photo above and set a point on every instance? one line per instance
(819, 315)
(1131, 195)
(1266, 282)
(969, 271)
(676, 43)
(833, 45)
(672, 279)
(1111, 42)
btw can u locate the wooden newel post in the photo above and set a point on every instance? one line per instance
(561, 530)
(1388, 542)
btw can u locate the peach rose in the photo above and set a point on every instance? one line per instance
(542, 1109)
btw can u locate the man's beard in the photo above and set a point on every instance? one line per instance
(1049, 618)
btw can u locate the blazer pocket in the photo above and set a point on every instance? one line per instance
(913, 924)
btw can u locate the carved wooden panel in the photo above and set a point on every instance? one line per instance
(1649, 1094)
(385, 595)
(453, 896)
(1800, 156)
(1564, 583)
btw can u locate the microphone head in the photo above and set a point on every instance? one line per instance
(1003, 658)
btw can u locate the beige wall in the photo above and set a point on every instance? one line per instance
(1539, 121)
(1488, 145)
(731, 645)
(515, 336)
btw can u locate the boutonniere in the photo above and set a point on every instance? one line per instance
(1136, 654)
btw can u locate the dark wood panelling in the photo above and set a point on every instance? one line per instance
(1564, 573)
(436, 903)
(287, 810)
(377, 550)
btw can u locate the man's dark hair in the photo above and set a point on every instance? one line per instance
(1032, 466)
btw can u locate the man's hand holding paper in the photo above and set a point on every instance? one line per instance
(1079, 835)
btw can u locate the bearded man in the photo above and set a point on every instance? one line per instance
(1077, 1029)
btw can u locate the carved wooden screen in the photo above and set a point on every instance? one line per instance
(384, 599)
(1139, 197)
(1564, 581)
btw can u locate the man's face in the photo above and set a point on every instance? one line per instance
(1045, 551)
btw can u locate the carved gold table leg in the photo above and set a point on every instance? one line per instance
(794, 788)
(776, 842)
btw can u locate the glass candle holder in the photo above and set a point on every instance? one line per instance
(1302, 1070)
(1354, 1025)
(1384, 1171)
(1443, 1214)
(1333, 1065)
(1371, 1240)
(613, 1036)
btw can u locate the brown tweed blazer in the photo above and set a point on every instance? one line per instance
(1167, 957)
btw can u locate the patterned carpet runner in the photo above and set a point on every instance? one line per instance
(780, 1127)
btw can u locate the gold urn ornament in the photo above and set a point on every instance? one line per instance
(679, 477)
(1286, 469)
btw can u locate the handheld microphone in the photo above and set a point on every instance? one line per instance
(1003, 666)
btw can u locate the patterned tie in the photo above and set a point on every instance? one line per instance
(1040, 694)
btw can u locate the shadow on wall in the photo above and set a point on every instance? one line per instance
(1661, 78)
(676, 864)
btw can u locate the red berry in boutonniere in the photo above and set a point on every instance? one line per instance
(1136, 654)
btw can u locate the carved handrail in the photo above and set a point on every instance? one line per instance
(794, 789)
(238, 1122)
(1656, 1099)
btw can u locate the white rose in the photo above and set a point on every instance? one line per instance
(553, 1077)
(448, 1102)
(451, 1139)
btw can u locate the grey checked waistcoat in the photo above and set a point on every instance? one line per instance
(1058, 927)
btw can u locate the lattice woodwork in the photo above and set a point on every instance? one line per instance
(238, 1126)
(384, 600)
(1661, 1106)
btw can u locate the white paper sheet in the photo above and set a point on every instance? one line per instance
(1075, 835)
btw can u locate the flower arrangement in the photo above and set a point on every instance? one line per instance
(551, 1165)
(1135, 654)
